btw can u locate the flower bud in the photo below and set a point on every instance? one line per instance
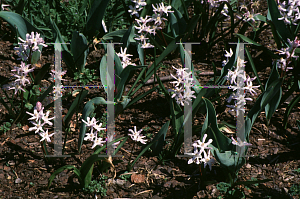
(38, 106)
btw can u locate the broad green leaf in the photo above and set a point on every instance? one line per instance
(66, 54)
(260, 104)
(179, 21)
(106, 80)
(248, 40)
(118, 66)
(19, 24)
(191, 26)
(120, 106)
(141, 53)
(174, 25)
(229, 159)
(273, 76)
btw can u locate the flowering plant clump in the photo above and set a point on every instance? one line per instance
(41, 119)
(240, 97)
(150, 24)
(289, 11)
(183, 89)
(136, 136)
(24, 51)
(288, 54)
(21, 74)
(126, 60)
(30, 45)
(202, 153)
(93, 136)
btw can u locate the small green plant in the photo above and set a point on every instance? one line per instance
(125, 176)
(254, 179)
(223, 187)
(6, 126)
(98, 187)
(297, 170)
(85, 76)
(295, 190)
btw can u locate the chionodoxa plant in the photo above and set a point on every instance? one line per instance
(149, 30)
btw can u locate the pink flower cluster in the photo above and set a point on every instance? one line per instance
(289, 11)
(183, 89)
(31, 44)
(41, 119)
(21, 77)
(232, 76)
(155, 21)
(288, 53)
(200, 155)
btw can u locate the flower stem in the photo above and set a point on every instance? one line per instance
(163, 37)
(129, 167)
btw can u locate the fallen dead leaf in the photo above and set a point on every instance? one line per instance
(137, 178)
(25, 128)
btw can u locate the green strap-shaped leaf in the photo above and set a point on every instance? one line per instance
(114, 35)
(260, 104)
(271, 107)
(128, 37)
(74, 106)
(289, 108)
(66, 54)
(159, 139)
(229, 159)
(219, 139)
(86, 170)
(95, 16)
(253, 68)
(103, 73)
(19, 24)
(79, 49)
(174, 25)
(274, 14)
(124, 77)
(58, 171)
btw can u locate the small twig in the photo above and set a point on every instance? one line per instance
(144, 192)
(125, 151)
